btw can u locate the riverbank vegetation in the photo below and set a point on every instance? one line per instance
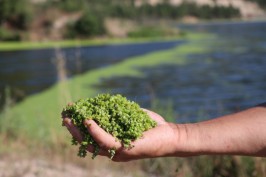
(137, 37)
(33, 127)
(51, 20)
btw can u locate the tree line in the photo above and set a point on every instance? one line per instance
(261, 3)
(17, 16)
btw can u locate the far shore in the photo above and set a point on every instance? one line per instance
(31, 45)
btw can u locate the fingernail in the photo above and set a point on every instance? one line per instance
(66, 125)
(87, 123)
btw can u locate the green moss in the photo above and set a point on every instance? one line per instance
(123, 119)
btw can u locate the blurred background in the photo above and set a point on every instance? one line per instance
(188, 60)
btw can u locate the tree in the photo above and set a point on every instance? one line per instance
(16, 13)
(88, 25)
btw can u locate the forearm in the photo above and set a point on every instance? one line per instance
(242, 133)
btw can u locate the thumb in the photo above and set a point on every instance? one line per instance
(102, 138)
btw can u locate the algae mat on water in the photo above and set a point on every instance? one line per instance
(38, 116)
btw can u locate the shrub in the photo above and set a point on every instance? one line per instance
(6, 35)
(152, 31)
(16, 13)
(88, 25)
(70, 5)
(122, 11)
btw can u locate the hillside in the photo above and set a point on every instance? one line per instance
(43, 20)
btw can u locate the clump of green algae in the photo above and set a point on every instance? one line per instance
(123, 119)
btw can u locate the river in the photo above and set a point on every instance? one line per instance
(228, 78)
(27, 72)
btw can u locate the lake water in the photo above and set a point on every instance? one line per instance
(228, 78)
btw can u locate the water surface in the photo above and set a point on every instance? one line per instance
(30, 71)
(228, 78)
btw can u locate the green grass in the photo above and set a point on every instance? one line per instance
(24, 45)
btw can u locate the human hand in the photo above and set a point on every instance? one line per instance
(230, 134)
(156, 142)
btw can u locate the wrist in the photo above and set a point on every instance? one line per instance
(186, 139)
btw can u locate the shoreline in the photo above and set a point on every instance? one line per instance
(6, 46)
(28, 45)
(225, 21)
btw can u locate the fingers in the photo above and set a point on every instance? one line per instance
(77, 136)
(101, 152)
(102, 138)
(72, 129)
(106, 141)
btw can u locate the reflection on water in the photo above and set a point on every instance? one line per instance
(232, 76)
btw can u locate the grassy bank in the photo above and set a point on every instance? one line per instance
(24, 45)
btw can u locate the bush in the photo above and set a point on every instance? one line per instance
(6, 35)
(88, 25)
(152, 31)
(16, 13)
(70, 5)
(122, 11)
(146, 32)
